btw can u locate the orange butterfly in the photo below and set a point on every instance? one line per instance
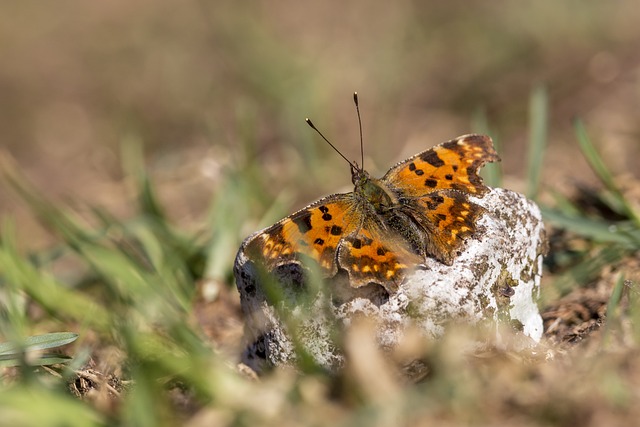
(386, 227)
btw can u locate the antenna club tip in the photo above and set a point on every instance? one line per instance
(309, 122)
(355, 97)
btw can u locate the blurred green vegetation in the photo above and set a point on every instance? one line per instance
(178, 128)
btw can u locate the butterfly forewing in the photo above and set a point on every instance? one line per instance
(450, 165)
(314, 232)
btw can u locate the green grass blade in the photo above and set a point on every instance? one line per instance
(38, 342)
(616, 295)
(598, 166)
(538, 113)
(38, 406)
(582, 274)
(15, 353)
(598, 230)
(564, 205)
(48, 292)
(612, 306)
(41, 360)
(133, 164)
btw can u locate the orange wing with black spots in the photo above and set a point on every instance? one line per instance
(448, 218)
(450, 165)
(314, 232)
(335, 234)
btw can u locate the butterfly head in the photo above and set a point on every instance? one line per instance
(358, 175)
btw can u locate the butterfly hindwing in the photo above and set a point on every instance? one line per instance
(448, 218)
(371, 256)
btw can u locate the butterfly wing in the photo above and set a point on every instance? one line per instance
(335, 233)
(313, 232)
(371, 255)
(433, 189)
(450, 165)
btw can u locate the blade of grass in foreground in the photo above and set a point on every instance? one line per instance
(128, 277)
(22, 276)
(38, 342)
(38, 406)
(12, 353)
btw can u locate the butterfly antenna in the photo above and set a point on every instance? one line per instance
(355, 101)
(310, 123)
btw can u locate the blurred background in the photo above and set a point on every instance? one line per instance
(216, 93)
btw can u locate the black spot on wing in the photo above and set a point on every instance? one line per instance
(336, 230)
(325, 213)
(440, 217)
(432, 158)
(303, 221)
(430, 182)
(434, 201)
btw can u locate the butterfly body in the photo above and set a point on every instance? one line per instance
(386, 227)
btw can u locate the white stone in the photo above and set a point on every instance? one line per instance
(495, 279)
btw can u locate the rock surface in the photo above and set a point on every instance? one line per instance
(495, 279)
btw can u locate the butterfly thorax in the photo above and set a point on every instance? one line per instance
(372, 191)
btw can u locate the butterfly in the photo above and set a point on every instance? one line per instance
(386, 227)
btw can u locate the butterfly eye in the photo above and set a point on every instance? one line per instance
(356, 175)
